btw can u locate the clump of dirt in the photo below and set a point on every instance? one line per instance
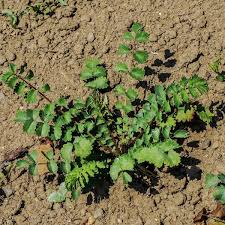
(186, 35)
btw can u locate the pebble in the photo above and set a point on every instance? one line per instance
(10, 56)
(2, 59)
(90, 37)
(179, 198)
(98, 213)
(8, 191)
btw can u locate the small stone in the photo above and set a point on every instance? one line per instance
(10, 56)
(119, 220)
(98, 213)
(2, 59)
(8, 191)
(91, 220)
(215, 145)
(205, 144)
(90, 37)
(179, 198)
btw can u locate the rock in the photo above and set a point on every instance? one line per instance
(2, 59)
(179, 198)
(98, 213)
(90, 37)
(119, 220)
(205, 144)
(10, 56)
(8, 191)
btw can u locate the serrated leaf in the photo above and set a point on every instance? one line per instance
(172, 159)
(67, 117)
(128, 36)
(92, 63)
(30, 75)
(62, 102)
(45, 130)
(215, 66)
(211, 181)
(31, 96)
(66, 152)
(142, 37)
(136, 27)
(166, 132)
(121, 67)
(22, 116)
(66, 167)
(49, 154)
(57, 132)
(20, 88)
(120, 90)
(6, 76)
(33, 170)
(219, 193)
(22, 164)
(45, 88)
(183, 116)
(126, 178)
(137, 73)
(205, 115)
(132, 94)
(181, 134)
(141, 56)
(83, 147)
(52, 166)
(63, 2)
(123, 49)
(98, 83)
(12, 82)
(30, 126)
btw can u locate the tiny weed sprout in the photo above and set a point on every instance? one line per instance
(98, 140)
(215, 67)
(216, 183)
(39, 7)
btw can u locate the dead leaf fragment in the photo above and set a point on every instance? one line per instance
(219, 212)
(201, 216)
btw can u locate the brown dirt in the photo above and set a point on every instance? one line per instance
(186, 35)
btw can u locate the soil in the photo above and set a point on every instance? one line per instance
(186, 35)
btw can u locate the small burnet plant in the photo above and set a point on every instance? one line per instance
(216, 183)
(215, 67)
(96, 139)
(134, 36)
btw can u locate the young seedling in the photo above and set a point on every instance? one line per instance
(216, 183)
(97, 139)
(215, 67)
(13, 17)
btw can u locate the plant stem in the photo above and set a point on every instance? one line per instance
(31, 86)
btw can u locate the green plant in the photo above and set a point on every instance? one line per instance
(39, 7)
(98, 139)
(215, 67)
(217, 184)
(134, 36)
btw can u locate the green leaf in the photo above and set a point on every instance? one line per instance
(215, 66)
(33, 170)
(120, 90)
(123, 49)
(219, 194)
(22, 116)
(57, 132)
(211, 181)
(30, 75)
(128, 36)
(75, 194)
(45, 130)
(12, 16)
(66, 167)
(66, 152)
(197, 86)
(132, 94)
(92, 63)
(6, 76)
(22, 164)
(30, 126)
(20, 88)
(166, 132)
(181, 134)
(221, 176)
(98, 83)
(62, 2)
(12, 68)
(121, 67)
(126, 178)
(52, 166)
(33, 156)
(67, 117)
(56, 197)
(172, 159)
(45, 88)
(141, 56)
(204, 114)
(83, 147)
(142, 37)
(62, 102)
(137, 73)
(49, 154)
(31, 96)
(86, 74)
(12, 82)
(136, 27)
